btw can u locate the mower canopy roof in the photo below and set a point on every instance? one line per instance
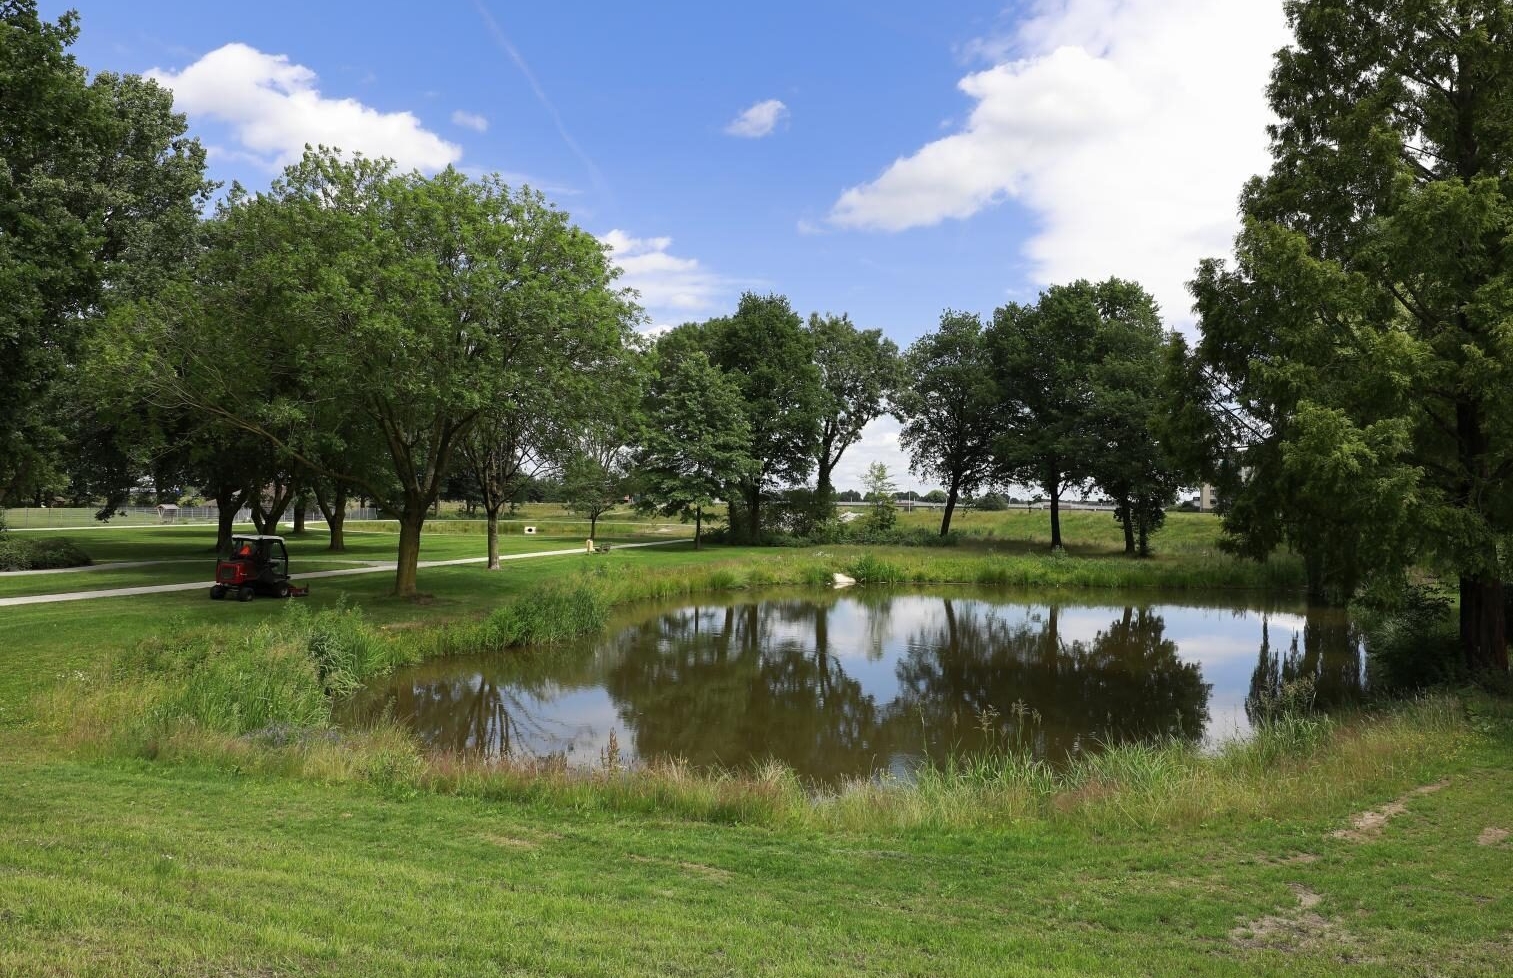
(257, 536)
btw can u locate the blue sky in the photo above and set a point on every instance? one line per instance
(884, 159)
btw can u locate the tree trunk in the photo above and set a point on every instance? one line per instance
(822, 487)
(754, 514)
(492, 514)
(335, 514)
(698, 526)
(1055, 490)
(593, 523)
(412, 520)
(228, 504)
(1144, 547)
(1127, 517)
(1483, 628)
(299, 515)
(951, 497)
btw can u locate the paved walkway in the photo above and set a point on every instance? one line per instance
(122, 592)
(124, 564)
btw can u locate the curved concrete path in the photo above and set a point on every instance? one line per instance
(122, 592)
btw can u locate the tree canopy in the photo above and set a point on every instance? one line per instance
(1363, 321)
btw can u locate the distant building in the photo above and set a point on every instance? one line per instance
(1208, 498)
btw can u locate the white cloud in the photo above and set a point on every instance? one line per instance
(673, 290)
(1127, 126)
(470, 120)
(274, 108)
(759, 120)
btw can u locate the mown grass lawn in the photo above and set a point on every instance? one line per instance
(133, 869)
(112, 866)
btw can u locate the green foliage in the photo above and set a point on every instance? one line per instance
(882, 515)
(1411, 639)
(1361, 329)
(19, 552)
(859, 372)
(949, 408)
(696, 441)
(99, 195)
(549, 613)
(765, 353)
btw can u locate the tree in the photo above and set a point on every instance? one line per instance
(949, 409)
(858, 372)
(99, 194)
(1042, 356)
(592, 487)
(695, 441)
(1127, 459)
(411, 302)
(767, 354)
(880, 489)
(1364, 319)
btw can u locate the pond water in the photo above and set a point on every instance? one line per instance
(853, 683)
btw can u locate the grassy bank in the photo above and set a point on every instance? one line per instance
(262, 700)
(127, 868)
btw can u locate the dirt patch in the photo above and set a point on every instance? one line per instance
(1368, 825)
(1298, 929)
(1492, 836)
(509, 842)
(713, 873)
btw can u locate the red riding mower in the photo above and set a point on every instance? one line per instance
(257, 565)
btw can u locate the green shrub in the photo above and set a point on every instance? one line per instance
(1412, 640)
(18, 553)
(549, 613)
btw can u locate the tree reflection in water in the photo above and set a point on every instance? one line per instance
(1330, 657)
(489, 711)
(849, 684)
(967, 683)
(743, 683)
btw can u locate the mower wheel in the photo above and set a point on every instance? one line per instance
(217, 592)
(283, 590)
(244, 593)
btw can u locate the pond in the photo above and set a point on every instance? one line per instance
(854, 683)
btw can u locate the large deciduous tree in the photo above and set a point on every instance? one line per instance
(949, 407)
(1365, 318)
(768, 355)
(99, 194)
(858, 373)
(1043, 355)
(413, 303)
(1126, 455)
(695, 440)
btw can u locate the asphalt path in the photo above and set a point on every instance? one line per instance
(122, 592)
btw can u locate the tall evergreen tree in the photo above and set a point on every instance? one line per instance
(1364, 320)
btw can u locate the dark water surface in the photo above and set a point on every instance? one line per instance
(857, 682)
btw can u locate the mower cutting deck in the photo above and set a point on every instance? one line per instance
(258, 564)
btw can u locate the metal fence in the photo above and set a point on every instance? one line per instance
(60, 518)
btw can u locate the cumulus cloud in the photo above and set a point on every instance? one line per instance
(673, 290)
(1126, 126)
(470, 120)
(274, 108)
(759, 120)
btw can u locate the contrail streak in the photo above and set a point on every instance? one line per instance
(503, 41)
